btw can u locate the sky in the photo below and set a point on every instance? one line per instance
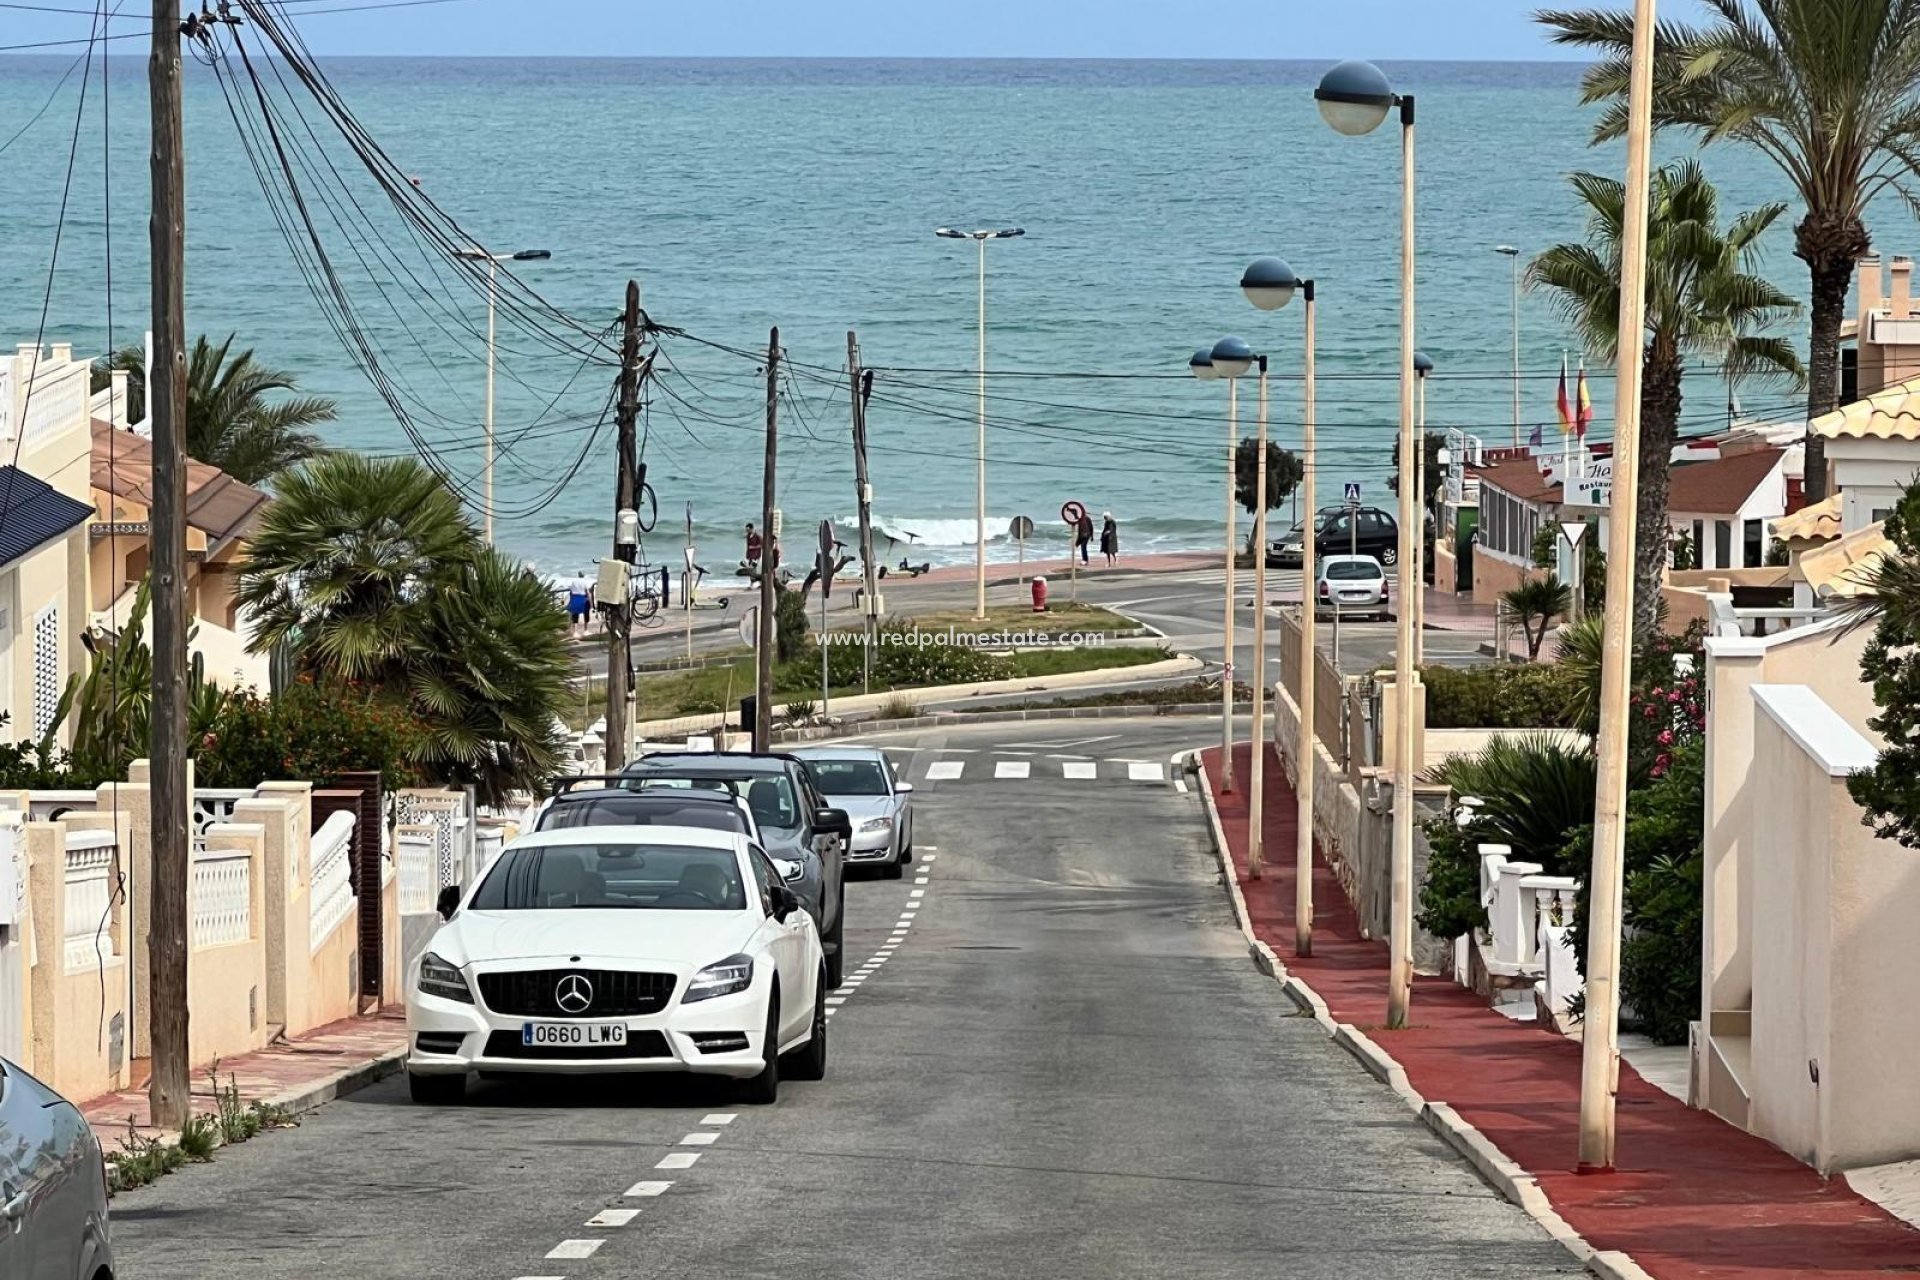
(1469, 30)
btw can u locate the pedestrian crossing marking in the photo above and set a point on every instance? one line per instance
(1144, 771)
(1080, 769)
(1150, 771)
(945, 770)
(1012, 768)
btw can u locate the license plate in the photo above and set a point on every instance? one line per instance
(567, 1034)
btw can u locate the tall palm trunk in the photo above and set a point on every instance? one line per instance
(1829, 247)
(1660, 400)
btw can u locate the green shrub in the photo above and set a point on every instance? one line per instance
(1508, 696)
(1450, 896)
(312, 731)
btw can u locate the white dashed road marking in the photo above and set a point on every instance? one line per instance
(679, 1160)
(1080, 769)
(945, 770)
(1145, 771)
(721, 1118)
(700, 1139)
(646, 1190)
(573, 1249)
(1012, 768)
(613, 1217)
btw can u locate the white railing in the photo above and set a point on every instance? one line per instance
(43, 806)
(89, 899)
(418, 884)
(213, 805)
(331, 898)
(222, 897)
(60, 397)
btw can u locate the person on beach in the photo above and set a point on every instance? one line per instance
(753, 544)
(580, 601)
(1109, 538)
(1083, 536)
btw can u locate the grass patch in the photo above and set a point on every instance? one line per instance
(1061, 618)
(1170, 695)
(142, 1159)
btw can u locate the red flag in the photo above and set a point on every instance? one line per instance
(1561, 402)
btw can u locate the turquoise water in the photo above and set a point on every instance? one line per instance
(745, 194)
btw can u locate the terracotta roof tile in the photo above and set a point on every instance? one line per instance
(1521, 478)
(1721, 488)
(1892, 414)
(217, 504)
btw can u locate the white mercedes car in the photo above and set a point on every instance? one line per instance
(620, 949)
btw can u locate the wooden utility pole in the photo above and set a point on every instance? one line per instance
(769, 557)
(167, 1091)
(862, 384)
(626, 497)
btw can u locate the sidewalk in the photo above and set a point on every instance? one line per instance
(298, 1075)
(1695, 1198)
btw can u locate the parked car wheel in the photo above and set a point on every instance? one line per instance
(764, 1089)
(1390, 556)
(437, 1091)
(810, 1063)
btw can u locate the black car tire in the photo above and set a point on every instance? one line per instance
(437, 1091)
(894, 870)
(764, 1089)
(1390, 556)
(810, 1063)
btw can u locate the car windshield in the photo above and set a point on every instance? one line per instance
(619, 877)
(769, 795)
(1354, 570)
(627, 810)
(849, 777)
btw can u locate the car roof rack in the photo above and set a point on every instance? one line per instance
(609, 782)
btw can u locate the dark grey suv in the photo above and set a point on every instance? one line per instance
(805, 837)
(53, 1186)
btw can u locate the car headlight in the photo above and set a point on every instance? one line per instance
(724, 978)
(438, 978)
(877, 824)
(791, 868)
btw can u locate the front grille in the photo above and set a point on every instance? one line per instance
(616, 993)
(640, 1044)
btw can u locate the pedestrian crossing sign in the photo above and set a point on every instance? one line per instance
(1353, 493)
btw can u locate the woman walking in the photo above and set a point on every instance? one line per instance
(1109, 538)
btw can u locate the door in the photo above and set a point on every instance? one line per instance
(787, 940)
(832, 853)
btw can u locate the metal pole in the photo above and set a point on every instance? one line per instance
(1600, 1061)
(869, 577)
(1516, 346)
(1400, 919)
(980, 457)
(493, 270)
(626, 496)
(825, 688)
(167, 1091)
(1226, 668)
(1309, 654)
(1256, 810)
(763, 658)
(1417, 596)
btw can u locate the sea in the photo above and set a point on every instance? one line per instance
(745, 195)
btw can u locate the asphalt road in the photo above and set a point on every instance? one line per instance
(1067, 1068)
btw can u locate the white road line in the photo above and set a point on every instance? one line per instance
(571, 1249)
(679, 1160)
(1012, 768)
(647, 1190)
(834, 1002)
(1080, 770)
(703, 1138)
(721, 1118)
(917, 893)
(945, 770)
(540, 1278)
(931, 850)
(613, 1217)
(1145, 771)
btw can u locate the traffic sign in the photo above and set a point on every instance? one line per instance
(1073, 513)
(825, 561)
(1353, 493)
(1021, 528)
(1572, 530)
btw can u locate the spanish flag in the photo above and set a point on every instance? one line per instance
(1583, 405)
(1561, 402)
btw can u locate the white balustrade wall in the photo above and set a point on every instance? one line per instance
(331, 900)
(222, 897)
(89, 899)
(418, 880)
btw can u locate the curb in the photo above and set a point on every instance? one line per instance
(951, 719)
(341, 1083)
(1513, 1183)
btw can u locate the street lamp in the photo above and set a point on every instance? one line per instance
(1417, 598)
(1354, 98)
(493, 261)
(1230, 359)
(980, 445)
(1513, 254)
(1271, 284)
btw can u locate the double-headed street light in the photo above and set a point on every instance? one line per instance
(1355, 98)
(1512, 255)
(1229, 358)
(493, 261)
(1270, 284)
(980, 446)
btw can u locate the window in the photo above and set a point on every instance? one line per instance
(764, 877)
(1722, 544)
(1353, 571)
(1699, 546)
(1881, 513)
(613, 877)
(1754, 544)
(849, 777)
(46, 669)
(641, 811)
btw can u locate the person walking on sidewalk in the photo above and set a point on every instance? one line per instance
(1083, 536)
(1109, 538)
(580, 602)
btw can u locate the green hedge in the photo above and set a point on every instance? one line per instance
(1517, 696)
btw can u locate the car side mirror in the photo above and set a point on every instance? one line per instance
(783, 903)
(902, 788)
(834, 822)
(448, 902)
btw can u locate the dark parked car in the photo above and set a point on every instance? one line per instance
(607, 801)
(53, 1186)
(1365, 531)
(805, 838)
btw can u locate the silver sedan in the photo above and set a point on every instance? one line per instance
(53, 1186)
(863, 781)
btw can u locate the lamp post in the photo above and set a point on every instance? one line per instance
(1270, 284)
(980, 445)
(1354, 98)
(493, 261)
(1231, 358)
(1599, 1055)
(1512, 254)
(1203, 368)
(1416, 598)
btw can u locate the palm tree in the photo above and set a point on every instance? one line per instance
(230, 422)
(1826, 91)
(1702, 299)
(344, 559)
(1535, 604)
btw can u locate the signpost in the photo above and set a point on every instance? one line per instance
(1020, 529)
(1073, 513)
(687, 585)
(1575, 563)
(827, 566)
